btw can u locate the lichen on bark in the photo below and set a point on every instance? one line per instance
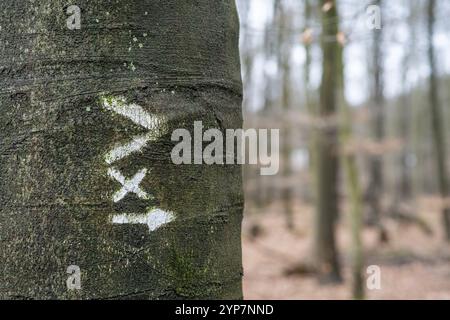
(55, 194)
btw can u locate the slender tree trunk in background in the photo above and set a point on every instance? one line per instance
(356, 220)
(67, 98)
(421, 141)
(308, 57)
(405, 185)
(354, 189)
(247, 53)
(287, 192)
(436, 122)
(326, 256)
(284, 52)
(405, 114)
(266, 189)
(350, 168)
(307, 84)
(374, 192)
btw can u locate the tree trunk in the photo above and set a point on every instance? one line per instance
(310, 106)
(376, 182)
(405, 185)
(352, 177)
(436, 123)
(355, 203)
(284, 51)
(74, 190)
(327, 156)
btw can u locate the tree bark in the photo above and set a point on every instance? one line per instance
(175, 60)
(327, 163)
(352, 179)
(310, 99)
(375, 189)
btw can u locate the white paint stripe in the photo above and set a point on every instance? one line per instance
(128, 185)
(133, 112)
(125, 150)
(154, 219)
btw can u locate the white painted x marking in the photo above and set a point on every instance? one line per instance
(129, 185)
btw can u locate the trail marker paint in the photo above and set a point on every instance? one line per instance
(129, 185)
(155, 218)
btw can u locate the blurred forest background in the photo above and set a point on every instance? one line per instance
(364, 178)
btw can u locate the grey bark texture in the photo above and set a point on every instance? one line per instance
(177, 59)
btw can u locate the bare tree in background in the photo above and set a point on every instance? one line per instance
(352, 176)
(307, 39)
(436, 122)
(284, 48)
(375, 188)
(326, 141)
(405, 114)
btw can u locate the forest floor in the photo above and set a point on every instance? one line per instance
(413, 264)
